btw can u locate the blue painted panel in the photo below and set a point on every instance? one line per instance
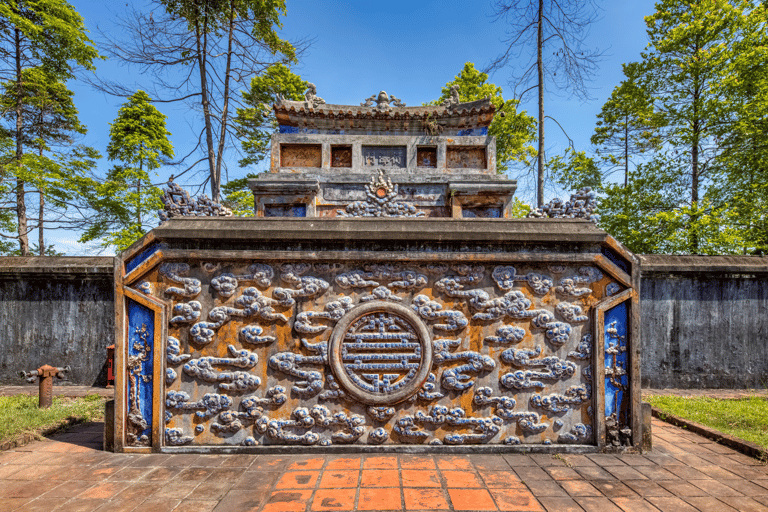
(285, 210)
(473, 132)
(141, 335)
(141, 257)
(296, 129)
(482, 212)
(616, 359)
(616, 259)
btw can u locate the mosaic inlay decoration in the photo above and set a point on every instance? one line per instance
(265, 353)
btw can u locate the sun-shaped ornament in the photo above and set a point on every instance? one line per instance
(380, 202)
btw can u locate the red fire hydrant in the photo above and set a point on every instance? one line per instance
(111, 366)
(45, 375)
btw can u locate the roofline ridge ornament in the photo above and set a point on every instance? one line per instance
(311, 98)
(178, 203)
(451, 102)
(582, 205)
(380, 194)
(382, 101)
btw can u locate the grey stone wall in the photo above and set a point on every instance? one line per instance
(56, 311)
(704, 321)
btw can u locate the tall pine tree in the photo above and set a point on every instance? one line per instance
(139, 139)
(48, 34)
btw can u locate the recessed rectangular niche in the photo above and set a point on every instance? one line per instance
(426, 157)
(465, 157)
(285, 210)
(341, 156)
(481, 212)
(384, 156)
(301, 155)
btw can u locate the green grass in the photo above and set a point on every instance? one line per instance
(20, 415)
(745, 418)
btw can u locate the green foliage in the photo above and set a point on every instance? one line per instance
(256, 122)
(53, 36)
(514, 131)
(20, 415)
(138, 135)
(693, 113)
(575, 170)
(47, 109)
(690, 46)
(238, 197)
(215, 17)
(519, 210)
(627, 125)
(49, 164)
(44, 41)
(741, 175)
(745, 418)
(221, 45)
(124, 199)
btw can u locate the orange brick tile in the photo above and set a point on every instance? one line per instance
(9, 504)
(156, 505)
(287, 501)
(194, 506)
(429, 499)
(389, 462)
(334, 499)
(104, 491)
(518, 500)
(415, 462)
(420, 478)
(298, 480)
(43, 505)
(461, 479)
(30, 472)
(580, 488)
(461, 463)
(471, 499)
(333, 479)
(379, 499)
(303, 465)
(345, 463)
(380, 478)
(86, 505)
(500, 478)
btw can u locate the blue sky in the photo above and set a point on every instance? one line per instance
(409, 49)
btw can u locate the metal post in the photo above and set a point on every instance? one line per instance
(45, 375)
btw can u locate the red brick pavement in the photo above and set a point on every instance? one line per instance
(685, 472)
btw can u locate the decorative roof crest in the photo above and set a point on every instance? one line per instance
(382, 101)
(178, 203)
(581, 206)
(311, 97)
(380, 193)
(454, 100)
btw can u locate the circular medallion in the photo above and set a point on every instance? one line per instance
(380, 353)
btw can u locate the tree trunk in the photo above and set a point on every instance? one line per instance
(225, 107)
(40, 233)
(540, 66)
(202, 61)
(21, 207)
(694, 237)
(138, 193)
(626, 150)
(41, 209)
